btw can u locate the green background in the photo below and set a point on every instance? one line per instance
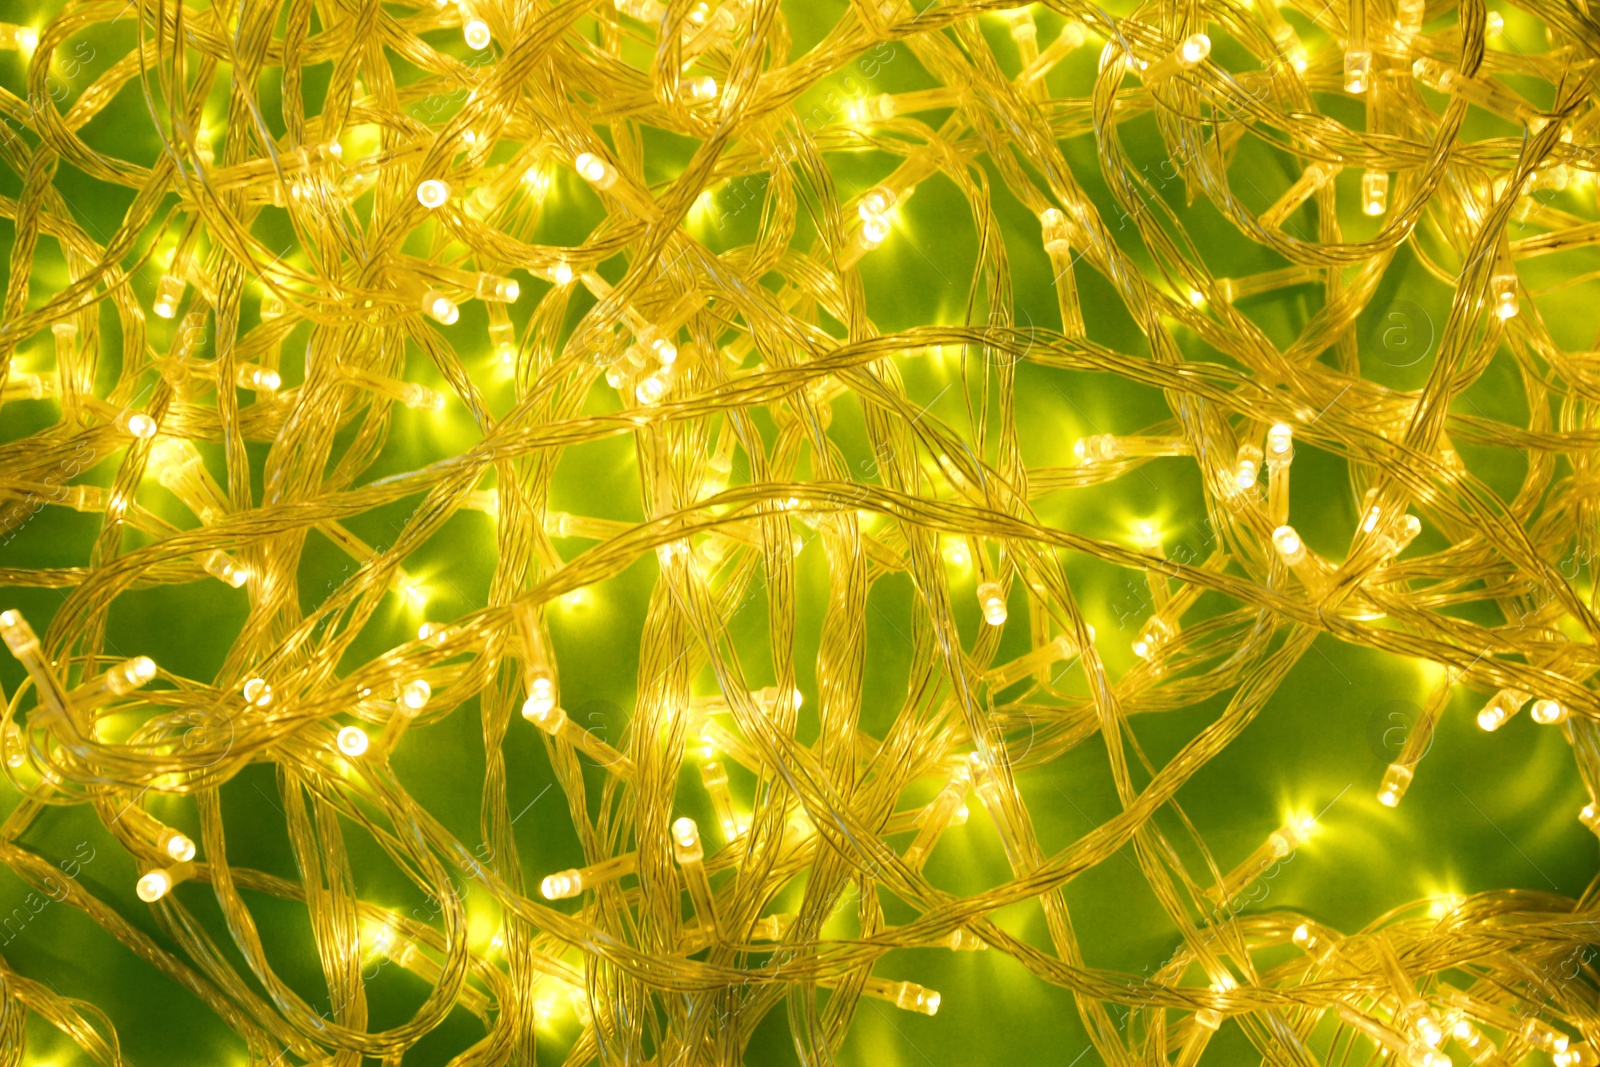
(1485, 812)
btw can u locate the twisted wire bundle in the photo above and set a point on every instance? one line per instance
(450, 139)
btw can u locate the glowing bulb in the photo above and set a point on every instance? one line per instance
(1504, 290)
(139, 425)
(874, 230)
(700, 90)
(23, 38)
(686, 847)
(1396, 780)
(1501, 706)
(415, 694)
(1280, 440)
(258, 692)
(15, 748)
(1548, 712)
(1193, 50)
(1374, 192)
(1287, 541)
(1248, 468)
(1357, 71)
(440, 308)
(562, 885)
(352, 741)
(651, 390)
(433, 194)
(259, 379)
(992, 602)
(537, 181)
(541, 698)
(153, 886)
(594, 170)
(169, 293)
(178, 846)
(1054, 226)
(560, 273)
(476, 33)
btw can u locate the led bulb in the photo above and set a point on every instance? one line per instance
(1248, 468)
(153, 886)
(1501, 706)
(352, 741)
(1548, 712)
(1503, 288)
(1280, 441)
(1357, 71)
(594, 170)
(700, 90)
(562, 885)
(440, 308)
(560, 273)
(1155, 632)
(22, 38)
(421, 398)
(16, 748)
(258, 692)
(1396, 780)
(1193, 50)
(498, 289)
(651, 389)
(258, 379)
(993, 603)
(1374, 192)
(476, 33)
(874, 230)
(433, 194)
(1053, 223)
(1589, 815)
(176, 845)
(541, 697)
(686, 847)
(138, 424)
(1097, 448)
(415, 694)
(1287, 541)
(169, 294)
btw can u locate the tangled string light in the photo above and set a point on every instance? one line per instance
(721, 370)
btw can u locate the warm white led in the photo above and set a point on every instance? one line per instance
(1287, 541)
(152, 886)
(415, 694)
(138, 424)
(594, 170)
(433, 193)
(258, 692)
(440, 307)
(177, 845)
(993, 602)
(1195, 48)
(1548, 712)
(353, 741)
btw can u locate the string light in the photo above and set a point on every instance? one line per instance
(721, 370)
